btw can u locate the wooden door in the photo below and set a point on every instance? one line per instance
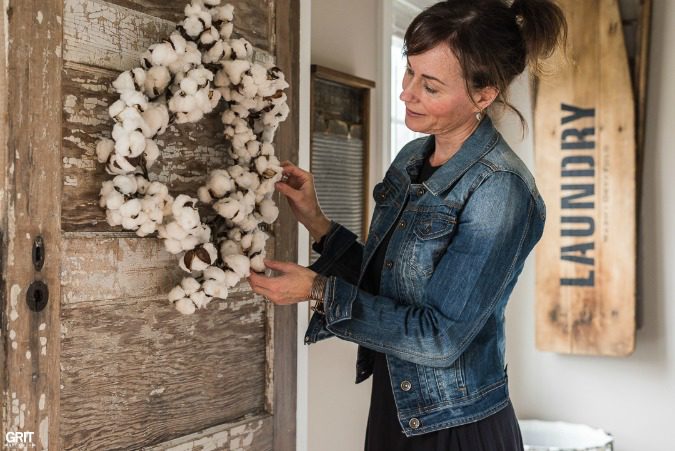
(108, 363)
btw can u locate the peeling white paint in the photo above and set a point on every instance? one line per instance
(41, 403)
(12, 334)
(27, 236)
(39, 17)
(28, 354)
(44, 432)
(157, 391)
(43, 326)
(14, 345)
(70, 180)
(14, 299)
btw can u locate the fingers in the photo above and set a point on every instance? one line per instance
(288, 191)
(278, 265)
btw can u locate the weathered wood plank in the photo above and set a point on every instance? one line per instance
(253, 18)
(6, 193)
(34, 202)
(586, 174)
(250, 434)
(111, 267)
(134, 372)
(188, 150)
(287, 34)
(107, 35)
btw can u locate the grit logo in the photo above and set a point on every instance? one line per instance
(19, 440)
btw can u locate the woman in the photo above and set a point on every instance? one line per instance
(455, 218)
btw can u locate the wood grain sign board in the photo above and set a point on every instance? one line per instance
(586, 171)
(108, 363)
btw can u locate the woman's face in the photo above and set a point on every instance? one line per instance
(434, 93)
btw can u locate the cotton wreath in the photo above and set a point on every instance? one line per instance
(180, 80)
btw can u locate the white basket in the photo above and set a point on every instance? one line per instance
(559, 436)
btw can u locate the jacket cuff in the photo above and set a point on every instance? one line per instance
(339, 297)
(335, 243)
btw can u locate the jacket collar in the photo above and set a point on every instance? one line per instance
(481, 141)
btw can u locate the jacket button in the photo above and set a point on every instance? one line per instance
(420, 192)
(389, 264)
(383, 196)
(406, 385)
(401, 224)
(414, 423)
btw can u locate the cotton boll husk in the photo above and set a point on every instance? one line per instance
(176, 293)
(173, 246)
(195, 263)
(103, 149)
(268, 211)
(189, 242)
(146, 58)
(235, 69)
(124, 82)
(156, 81)
(113, 218)
(258, 263)
(240, 264)
(200, 299)
(130, 208)
(117, 164)
(136, 143)
(229, 247)
(190, 285)
(125, 184)
(215, 289)
(185, 306)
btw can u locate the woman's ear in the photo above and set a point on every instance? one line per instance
(484, 97)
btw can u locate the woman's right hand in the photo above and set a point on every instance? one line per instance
(298, 188)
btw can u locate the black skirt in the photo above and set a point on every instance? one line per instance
(498, 432)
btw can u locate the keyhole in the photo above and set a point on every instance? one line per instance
(38, 253)
(37, 296)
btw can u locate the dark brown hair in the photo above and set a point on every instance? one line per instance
(494, 42)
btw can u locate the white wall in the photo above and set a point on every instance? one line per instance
(633, 398)
(344, 35)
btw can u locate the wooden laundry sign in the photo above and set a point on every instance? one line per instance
(586, 172)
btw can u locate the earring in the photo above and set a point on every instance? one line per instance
(479, 115)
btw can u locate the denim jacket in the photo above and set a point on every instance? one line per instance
(451, 264)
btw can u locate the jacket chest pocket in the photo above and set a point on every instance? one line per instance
(433, 231)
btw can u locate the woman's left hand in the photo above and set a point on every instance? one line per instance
(291, 287)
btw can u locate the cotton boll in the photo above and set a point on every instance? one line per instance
(257, 263)
(174, 231)
(190, 285)
(200, 299)
(248, 180)
(185, 306)
(189, 242)
(113, 200)
(103, 149)
(226, 30)
(214, 273)
(221, 79)
(116, 108)
(142, 184)
(229, 247)
(231, 279)
(151, 153)
(185, 213)
(240, 264)
(214, 54)
(124, 82)
(223, 13)
(136, 143)
(130, 208)
(193, 26)
(189, 86)
(215, 289)
(173, 246)
(209, 36)
(158, 189)
(235, 69)
(146, 59)
(227, 208)
(146, 228)
(248, 86)
(199, 258)
(268, 211)
(117, 164)
(156, 81)
(176, 293)
(211, 3)
(204, 195)
(235, 235)
(266, 149)
(241, 48)
(249, 223)
(135, 99)
(194, 8)
(178, 43)
(228, 117)
(258, 241)
(203, 101)
(265, 190)
(113, 218)
(125, 184)
(219, 183)
(246, 241)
